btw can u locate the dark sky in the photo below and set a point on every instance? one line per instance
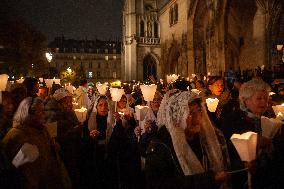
(73, 18)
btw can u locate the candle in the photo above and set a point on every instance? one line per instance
(102, 88)
(270, 126)
(195, 91)
(148, 92)
(279, 111)
(48, 82)
(245, 145)
(81, 114)
(140, 112)
(116, 94)
(172, 78)
(212, 104)
(3, 83)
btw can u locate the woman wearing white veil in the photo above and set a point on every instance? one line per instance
(186, 152)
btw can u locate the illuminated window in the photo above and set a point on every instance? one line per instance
(90, 74)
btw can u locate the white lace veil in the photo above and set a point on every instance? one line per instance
(92, 122)
(177, 111)
(161, 115)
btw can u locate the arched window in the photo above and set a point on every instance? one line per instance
(142, 29)
(156, 30)
(171, 17)
(175, 13)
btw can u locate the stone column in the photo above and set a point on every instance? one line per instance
(259, 34)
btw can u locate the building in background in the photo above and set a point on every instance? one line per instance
(141, 40)
(99, 60)
(205, 37)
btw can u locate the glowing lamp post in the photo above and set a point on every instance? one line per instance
(279, 111)
(116, 95)
(212, 104)
(81, 114)
(245, 145)
(270, 126)
(3, 83)
(102, 88)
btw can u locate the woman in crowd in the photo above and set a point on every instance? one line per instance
(216, 89)
(100, 126)
(186, 152)
(59, 109)
(150, 126)
(123, 147)
(32, 86)
(6, 113)
(43, 171)
(253, 96)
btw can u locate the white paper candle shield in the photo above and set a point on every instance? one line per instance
(69, 88)
(245, 145)
(196, 91)
(102, 88)
(140, 112)
(270, 126)
(3, 83)
(116, 94)
(81, 114)
(148, 92)
(21, 80)
(172, 78)
(48, 82)
(40, 79)
(212, 104)
(27, 153)
(52, 129)
(279, 111)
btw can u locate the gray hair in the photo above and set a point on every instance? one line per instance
(25, 108)
(249, 88)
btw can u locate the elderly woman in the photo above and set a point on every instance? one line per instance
(41, 171)
(186, 152)
(59, 109)
(253, 96)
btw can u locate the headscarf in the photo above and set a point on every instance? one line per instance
(92, 122)
(161, 116)
(177, 111)
(61, 93)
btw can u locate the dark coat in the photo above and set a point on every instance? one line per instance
(123, 149)
(163, 169)
(238, 122)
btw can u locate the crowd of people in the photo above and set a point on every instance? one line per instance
(179, 144)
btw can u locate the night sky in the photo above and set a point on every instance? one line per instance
(78, 19)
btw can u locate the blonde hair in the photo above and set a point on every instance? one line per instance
(249, 88)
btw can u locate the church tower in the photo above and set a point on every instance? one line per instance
(141, 40)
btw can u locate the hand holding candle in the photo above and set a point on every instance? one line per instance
(81, 114)
(212, 104)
